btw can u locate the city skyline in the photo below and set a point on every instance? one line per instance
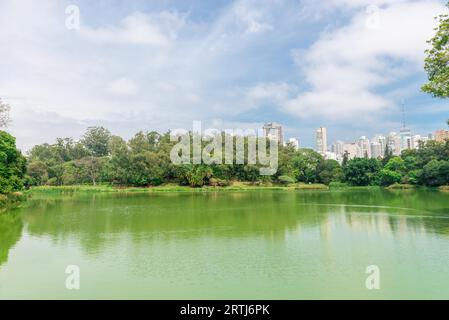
(364, 146)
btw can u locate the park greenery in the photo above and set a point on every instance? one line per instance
(12, 162)
(436, 61)
(144, 160)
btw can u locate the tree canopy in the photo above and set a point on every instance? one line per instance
(437, 59)
(144, 160)
(12, 164)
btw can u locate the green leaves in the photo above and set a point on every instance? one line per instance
(12, 164)
(436, 62)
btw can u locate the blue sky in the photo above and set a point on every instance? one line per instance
(158, 65)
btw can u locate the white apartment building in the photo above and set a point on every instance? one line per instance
(273, 131)
(417, 140)
(365, 147)
(394, 143)
(378, 145)
(321, 141)
(352, 149)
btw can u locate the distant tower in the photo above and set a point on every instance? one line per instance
(405, 133)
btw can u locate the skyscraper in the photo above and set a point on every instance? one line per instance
(406, 138)
(376, 150)
(417, 140)
(273, 131)
(321, 141)
(337, 147)
(394, 143)
(378, 145)
(352, 149)
(365, 147)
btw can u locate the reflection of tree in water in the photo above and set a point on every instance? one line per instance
(10, 232)
(98, 220)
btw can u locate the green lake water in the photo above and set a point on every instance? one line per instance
(227, 245)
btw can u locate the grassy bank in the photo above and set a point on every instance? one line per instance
(12, 200)
(235, 186)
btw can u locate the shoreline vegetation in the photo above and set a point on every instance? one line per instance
(145, 160)
(101, 162)
(237, 186)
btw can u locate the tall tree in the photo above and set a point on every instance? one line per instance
(96, 140)
(436, 62)
(12, 164)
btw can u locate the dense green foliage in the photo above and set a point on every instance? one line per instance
(12, 165)
(436, 62)
(144, 160)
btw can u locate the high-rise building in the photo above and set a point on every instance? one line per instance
(378, 145)
(321, 141)
(352, 149)
(441, 135)
(365, 147)
(294, 142)
(337, 147)
(376, 150)
(394, 143)
(273, 131)
(417, 140)
(406, 138)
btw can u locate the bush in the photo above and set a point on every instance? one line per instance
(401, 186)
(52, 182)
(286, 180)
(388, 177)
(435, 173)
(215, 182)
(362, 172)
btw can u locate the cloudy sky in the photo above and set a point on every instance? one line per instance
(158, 65)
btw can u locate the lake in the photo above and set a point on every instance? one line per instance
(227, 245)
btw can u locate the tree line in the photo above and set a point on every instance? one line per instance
(144, 160)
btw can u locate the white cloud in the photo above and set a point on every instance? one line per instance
(347, 66)
(157, 70)
(123, 86)
(139, 29)
(253, 18)
(271, 92)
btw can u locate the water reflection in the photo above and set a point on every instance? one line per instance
(101, 219)
(10, 232)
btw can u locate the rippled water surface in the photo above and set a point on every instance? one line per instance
(228, 245)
